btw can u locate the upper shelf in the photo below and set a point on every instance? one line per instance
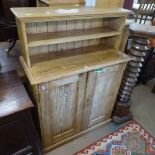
(52, 66)
(46, 38)
(34, 13)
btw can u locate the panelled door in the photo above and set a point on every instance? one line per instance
(61, 104)
(101, 91)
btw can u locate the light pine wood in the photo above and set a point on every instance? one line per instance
(72, 60)
(69, 64)
(101, 96)
(91, 82)
(115, 89)
(66, 12)
(56, 30)
(125, 34)
(23, 40)
(39, 39)
(31, 28)
(61, 104)
(47, 149)
(55, 96)
(101, 90)
(109, 3)
(53, 35)
(50, 34)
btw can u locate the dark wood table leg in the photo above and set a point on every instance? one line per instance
(138, 50)
(143, 78)
(13, 40)
(12, 43)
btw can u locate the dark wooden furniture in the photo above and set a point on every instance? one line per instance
(140, 34)
(17, 132)
(143, 11)
(148, 69)
(7, 20)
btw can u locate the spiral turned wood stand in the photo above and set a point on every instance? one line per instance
(139, 49)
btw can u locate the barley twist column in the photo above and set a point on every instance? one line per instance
(138, 50)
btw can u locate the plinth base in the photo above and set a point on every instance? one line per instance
(122, 109)
(120, 120)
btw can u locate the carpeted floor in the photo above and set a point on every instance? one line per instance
(143, 107)
(131, 139)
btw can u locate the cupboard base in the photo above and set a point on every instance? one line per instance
(52, 147)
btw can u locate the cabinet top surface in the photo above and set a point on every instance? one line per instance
(53, 12)
(50, 67)
(13, 96)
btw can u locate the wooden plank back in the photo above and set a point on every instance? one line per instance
(51, 28)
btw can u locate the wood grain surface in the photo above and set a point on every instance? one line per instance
(39, 39)
(13, 96)
(66, 12)
(70, 64)
(74, 66)
(60, 103)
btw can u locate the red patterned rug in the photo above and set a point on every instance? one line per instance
(132, 139)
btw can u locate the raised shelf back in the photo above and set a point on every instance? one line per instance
(55, 36)
(73, 62)
(48, 30)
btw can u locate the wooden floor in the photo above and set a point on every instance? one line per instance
(10, 62)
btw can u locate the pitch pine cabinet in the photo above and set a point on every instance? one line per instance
(72, 60)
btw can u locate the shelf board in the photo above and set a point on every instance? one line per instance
(68, 12)
(46, 38)
(51, 66)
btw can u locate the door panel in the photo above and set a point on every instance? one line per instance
(62, 104)
(102, 91)
(63, 100)
(99, 94)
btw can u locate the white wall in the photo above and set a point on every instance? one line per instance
(135, 1)
(90, 2)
